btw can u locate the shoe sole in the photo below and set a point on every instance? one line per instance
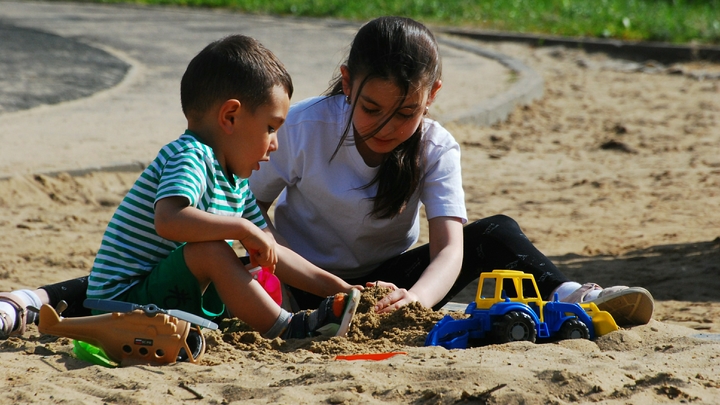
(353, 299)
(631, 306)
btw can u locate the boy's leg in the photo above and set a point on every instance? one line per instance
(217, 263)
(172, 285)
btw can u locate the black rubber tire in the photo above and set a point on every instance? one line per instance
(574, 329)
(515, 326)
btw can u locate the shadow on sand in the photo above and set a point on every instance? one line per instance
(681, 272)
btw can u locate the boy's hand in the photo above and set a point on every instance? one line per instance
(261, 248)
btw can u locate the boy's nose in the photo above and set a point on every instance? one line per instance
(273, 144)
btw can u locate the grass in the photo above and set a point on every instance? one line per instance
(675, 21)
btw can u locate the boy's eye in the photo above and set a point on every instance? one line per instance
(271, 130)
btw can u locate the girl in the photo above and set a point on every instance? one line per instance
(354, 166)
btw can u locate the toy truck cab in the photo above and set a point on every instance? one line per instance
(508, 307)
(516, 286)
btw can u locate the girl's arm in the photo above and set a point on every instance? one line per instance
(264, 208)
(446, 255)
(294, 270)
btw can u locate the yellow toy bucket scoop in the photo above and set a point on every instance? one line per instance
(133, 334)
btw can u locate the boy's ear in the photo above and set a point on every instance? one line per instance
(228, 115)
(346, 84)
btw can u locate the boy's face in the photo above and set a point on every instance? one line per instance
(255, 134)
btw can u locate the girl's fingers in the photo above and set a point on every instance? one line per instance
(379, 283)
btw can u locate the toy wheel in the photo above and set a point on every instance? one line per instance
(574, 329)
(515, 326)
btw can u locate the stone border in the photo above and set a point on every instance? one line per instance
(637, 51)
(529, 87)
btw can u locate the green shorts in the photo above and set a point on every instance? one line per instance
(171, 285)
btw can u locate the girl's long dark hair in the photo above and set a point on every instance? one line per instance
(404, 52)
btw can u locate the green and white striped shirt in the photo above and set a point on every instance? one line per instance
(130, 246)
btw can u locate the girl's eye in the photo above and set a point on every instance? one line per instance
(406, 116)
(369, 110)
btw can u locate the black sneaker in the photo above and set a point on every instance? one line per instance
(332, 318)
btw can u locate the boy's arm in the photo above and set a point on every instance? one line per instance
(176, 220)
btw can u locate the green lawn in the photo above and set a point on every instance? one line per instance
(677, 21)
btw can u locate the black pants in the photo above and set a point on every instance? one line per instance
(490, 243)
(73, 292)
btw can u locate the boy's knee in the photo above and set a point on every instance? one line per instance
(203, 251)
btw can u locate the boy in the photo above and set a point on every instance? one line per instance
(167, 241)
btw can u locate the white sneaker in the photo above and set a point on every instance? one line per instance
(12, 324)
(627, 305)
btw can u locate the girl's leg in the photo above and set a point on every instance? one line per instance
(498, 242)
(72, 291)
(490, 243)
(14, 313)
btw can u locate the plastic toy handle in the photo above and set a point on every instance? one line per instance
(269, 281)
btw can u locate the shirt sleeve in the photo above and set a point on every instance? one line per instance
(442, 193)
(184, 174)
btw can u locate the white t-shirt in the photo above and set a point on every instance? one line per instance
(323, 210)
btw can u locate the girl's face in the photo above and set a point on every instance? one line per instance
(377, 101)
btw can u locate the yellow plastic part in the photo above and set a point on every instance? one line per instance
(603, 322)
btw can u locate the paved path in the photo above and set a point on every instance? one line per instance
(96, 86)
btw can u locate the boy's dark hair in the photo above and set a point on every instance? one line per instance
(406, 53)
(235, 67)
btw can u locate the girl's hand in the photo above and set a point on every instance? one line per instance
(399, 297)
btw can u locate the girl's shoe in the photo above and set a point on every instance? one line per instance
(627, 305)
(332, 318)
(16, 326)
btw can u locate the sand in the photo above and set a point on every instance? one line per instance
(614, 174)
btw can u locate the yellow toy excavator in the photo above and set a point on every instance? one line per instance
(131, 334)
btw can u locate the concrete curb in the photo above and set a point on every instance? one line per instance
(529, 87)
(637, 51)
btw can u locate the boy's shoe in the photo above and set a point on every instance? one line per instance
(627, 305)
(332, 318)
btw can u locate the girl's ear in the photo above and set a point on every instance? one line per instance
(228, 115)
(433, 91)
(346, 84)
